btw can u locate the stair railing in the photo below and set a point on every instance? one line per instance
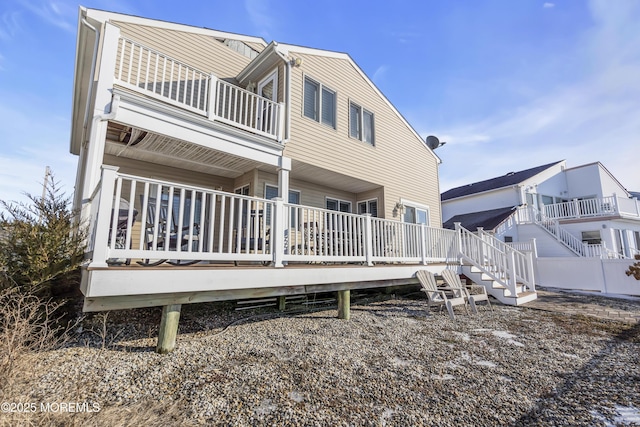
(497, 264)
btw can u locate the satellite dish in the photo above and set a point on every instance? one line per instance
(433, 142)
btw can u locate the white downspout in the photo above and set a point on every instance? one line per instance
(77, 197)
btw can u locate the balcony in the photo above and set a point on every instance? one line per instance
(154, 74)
(593, 208)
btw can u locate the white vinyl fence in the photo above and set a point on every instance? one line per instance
(590, 274)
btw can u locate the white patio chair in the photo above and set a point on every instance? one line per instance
(439, 296)
(452, 279)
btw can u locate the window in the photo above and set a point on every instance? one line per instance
(271, 192)
(415, 213)
(591, 237)
(368, 206)
(508, 239)
(360, 123)
(319, 103)
(338, 205)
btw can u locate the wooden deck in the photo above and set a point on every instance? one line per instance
(120, 287)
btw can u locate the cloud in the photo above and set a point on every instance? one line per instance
(596, 117)
(379, 74)
(55, 13)
(548, 5)
(10, 25)
(259, 14)
(28, 147)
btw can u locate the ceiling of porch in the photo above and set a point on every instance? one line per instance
(317, 175)
(124, 141)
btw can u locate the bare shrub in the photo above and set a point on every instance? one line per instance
(26, 326)
(634, 269)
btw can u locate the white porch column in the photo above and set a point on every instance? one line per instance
(277, 233)
(368, 239)
(100, 238)
(283, 178)
(104, 109)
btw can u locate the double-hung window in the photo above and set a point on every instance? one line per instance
(319, 103)
(368, 206)
(360, 123)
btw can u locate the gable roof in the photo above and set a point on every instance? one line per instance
(512, 178)
(486, 219)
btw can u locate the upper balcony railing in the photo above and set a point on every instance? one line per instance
(595, 207)
(160, 76)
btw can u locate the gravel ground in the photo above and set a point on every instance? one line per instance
(392, 364)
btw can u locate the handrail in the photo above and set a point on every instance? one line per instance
(150, 219)
(504, 264)
(143, 69)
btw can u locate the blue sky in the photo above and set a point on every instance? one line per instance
(508, 84)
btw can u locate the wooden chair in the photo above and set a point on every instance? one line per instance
(453, 280)
(439, 296)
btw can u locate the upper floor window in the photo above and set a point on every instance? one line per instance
(360, 123)
(319, 103)
(368, 206)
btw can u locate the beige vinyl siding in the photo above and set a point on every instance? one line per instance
(199, 51)
(399, 161)
(310, 194)
(169, 173)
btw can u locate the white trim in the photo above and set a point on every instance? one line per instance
(339, 201)
(104, 16)
(361, 120)
(235, 190)
(272, 76)
(266, 184)
(367, 202)
(418, 206)
(321, 85)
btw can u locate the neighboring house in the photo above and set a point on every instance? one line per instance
(204, 155)
(581, 211)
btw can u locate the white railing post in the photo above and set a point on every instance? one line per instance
(423, 243)
(103, 218)
(280, 122)
(532, 281)
(481, 248)
(212, 108)
(557, 227)
(512, 282)
(534, 247)
(616, 207)
(458, 227)
(277, 235)
(368, 239)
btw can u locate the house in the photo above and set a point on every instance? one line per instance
(219, 166)
(577, 211)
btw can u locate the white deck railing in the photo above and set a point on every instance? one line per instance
(595, 207)
(495, 258)
(150, 220)
(142, 69)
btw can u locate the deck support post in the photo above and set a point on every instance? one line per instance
(168, 328)
(282, 302)
(344, 304)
